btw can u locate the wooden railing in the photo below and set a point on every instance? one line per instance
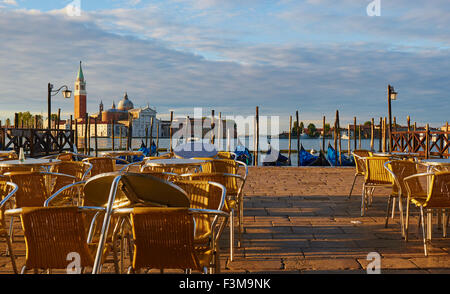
(37, 142)
(425, 142)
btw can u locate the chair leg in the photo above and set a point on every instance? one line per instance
(353, 185)
(400, 208)
(423, 231)
(231, 233)
(407, 220)
(363, 200)
(444, 223)
(388, 210)
(11, 254)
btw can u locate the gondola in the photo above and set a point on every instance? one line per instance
(243, 154)
(333, 158)
(275, 158)
(306, 158)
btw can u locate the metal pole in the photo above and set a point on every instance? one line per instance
(49, 104)
(390, 118)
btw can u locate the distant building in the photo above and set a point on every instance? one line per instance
(118, 116)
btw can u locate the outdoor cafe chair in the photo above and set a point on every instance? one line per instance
(206, 195)
(165, 238)
(360, 165)
(226, 155)
(234, 204)
(7, 191)
(375, 176)
(437, 196)
(399, 170)
(121, 190)
(34, 188)
(102, 165)
(54, 236)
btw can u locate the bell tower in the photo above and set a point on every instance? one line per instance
(80, 95)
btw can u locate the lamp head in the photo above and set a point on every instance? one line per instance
(67, 94)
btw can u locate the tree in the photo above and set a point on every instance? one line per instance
(368, 123)
(327, 130)
(312, 131)
(294, 128)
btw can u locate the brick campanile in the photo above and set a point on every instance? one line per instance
(80, 95)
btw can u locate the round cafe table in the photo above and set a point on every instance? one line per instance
(396, 154)
(6, 153)
(169, 164)
(436, 163)
(195, 149)
(122, 153)
(34, 163)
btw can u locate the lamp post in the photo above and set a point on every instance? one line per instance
(66, 94)
(392, 95)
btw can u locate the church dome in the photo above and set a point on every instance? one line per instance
(125, 104)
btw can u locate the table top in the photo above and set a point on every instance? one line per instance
(122, 153)
(30, 162)
(174, 161)
(398, 154)
(436, 161)
(195, 149)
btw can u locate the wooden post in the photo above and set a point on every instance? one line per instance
(130, 132)
(151, 132)
(380, 135)
(89, 135)
(113, 135)
(290, 133)
(257, 137)
(323, 137)
(157, 139)
(146, 136)
(384, 136)
(414, 131)
(120, 138)
(348, 141)
(372, 134)
(298, 138)
(86, 119)
(427, 140)
(359, 136)
(58, 119)
(354, 133)
(213, 125)
(339, 137)
(76, 134)
(95, 137)
(170, 131)
(220, 133)
(16, 120)
(446, 135)
(408, 136)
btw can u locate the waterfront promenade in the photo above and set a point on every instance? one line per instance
(299, 220)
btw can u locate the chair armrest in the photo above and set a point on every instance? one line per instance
(13, 212)
(408, 179)
(47, 202)
(126, 167)
(245, 166)
(8, 197)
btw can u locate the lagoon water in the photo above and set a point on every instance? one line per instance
(278, 144)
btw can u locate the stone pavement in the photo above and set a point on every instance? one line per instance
(299, 220)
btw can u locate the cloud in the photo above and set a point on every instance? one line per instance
(10, 2)
(162, 63)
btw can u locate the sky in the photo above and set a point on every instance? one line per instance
(315, 56)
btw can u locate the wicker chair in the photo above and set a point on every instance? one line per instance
(7, 190)
(234, 204)
(34, 189)
(360, 165)
(164, 238)
(226, 155)
(437, 197)
(399, 170)
(206, 195)
(102, 165)
(119, 190)
(52, 235)
(375, 176)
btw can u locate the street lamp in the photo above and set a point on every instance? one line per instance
(66, 94)
(392, 95)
